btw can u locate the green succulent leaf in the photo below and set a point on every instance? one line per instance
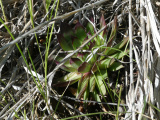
(75, 62)
(123, 43)
(92, 83)
(106, 51)
(98, 40)
(106, 63)
(80, 35)
(119, 55)
(103, 33)
(82, 85)
(86, 94)
(96, 96)
(112, 50)
(84, 67)
(82, 56)
(66, 66)
(65, 40)
(95, 66)
(92, 58)
(70, 78)
(118, 46)
(102, 38)
(115, 66)
(113, 33)
(90, 27)
(91, 44)
(100, 76)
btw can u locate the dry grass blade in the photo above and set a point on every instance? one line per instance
(131, 90)
(154, 28)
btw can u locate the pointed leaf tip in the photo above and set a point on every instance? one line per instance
(75, 62)
(84, 67)
(102, 21)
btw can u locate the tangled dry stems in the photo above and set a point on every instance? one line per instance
(19, 92)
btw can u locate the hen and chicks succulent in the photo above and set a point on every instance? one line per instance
(89, 66)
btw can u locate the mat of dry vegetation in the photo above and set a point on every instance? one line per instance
(27, 91)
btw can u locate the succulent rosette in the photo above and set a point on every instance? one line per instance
(89, 66)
